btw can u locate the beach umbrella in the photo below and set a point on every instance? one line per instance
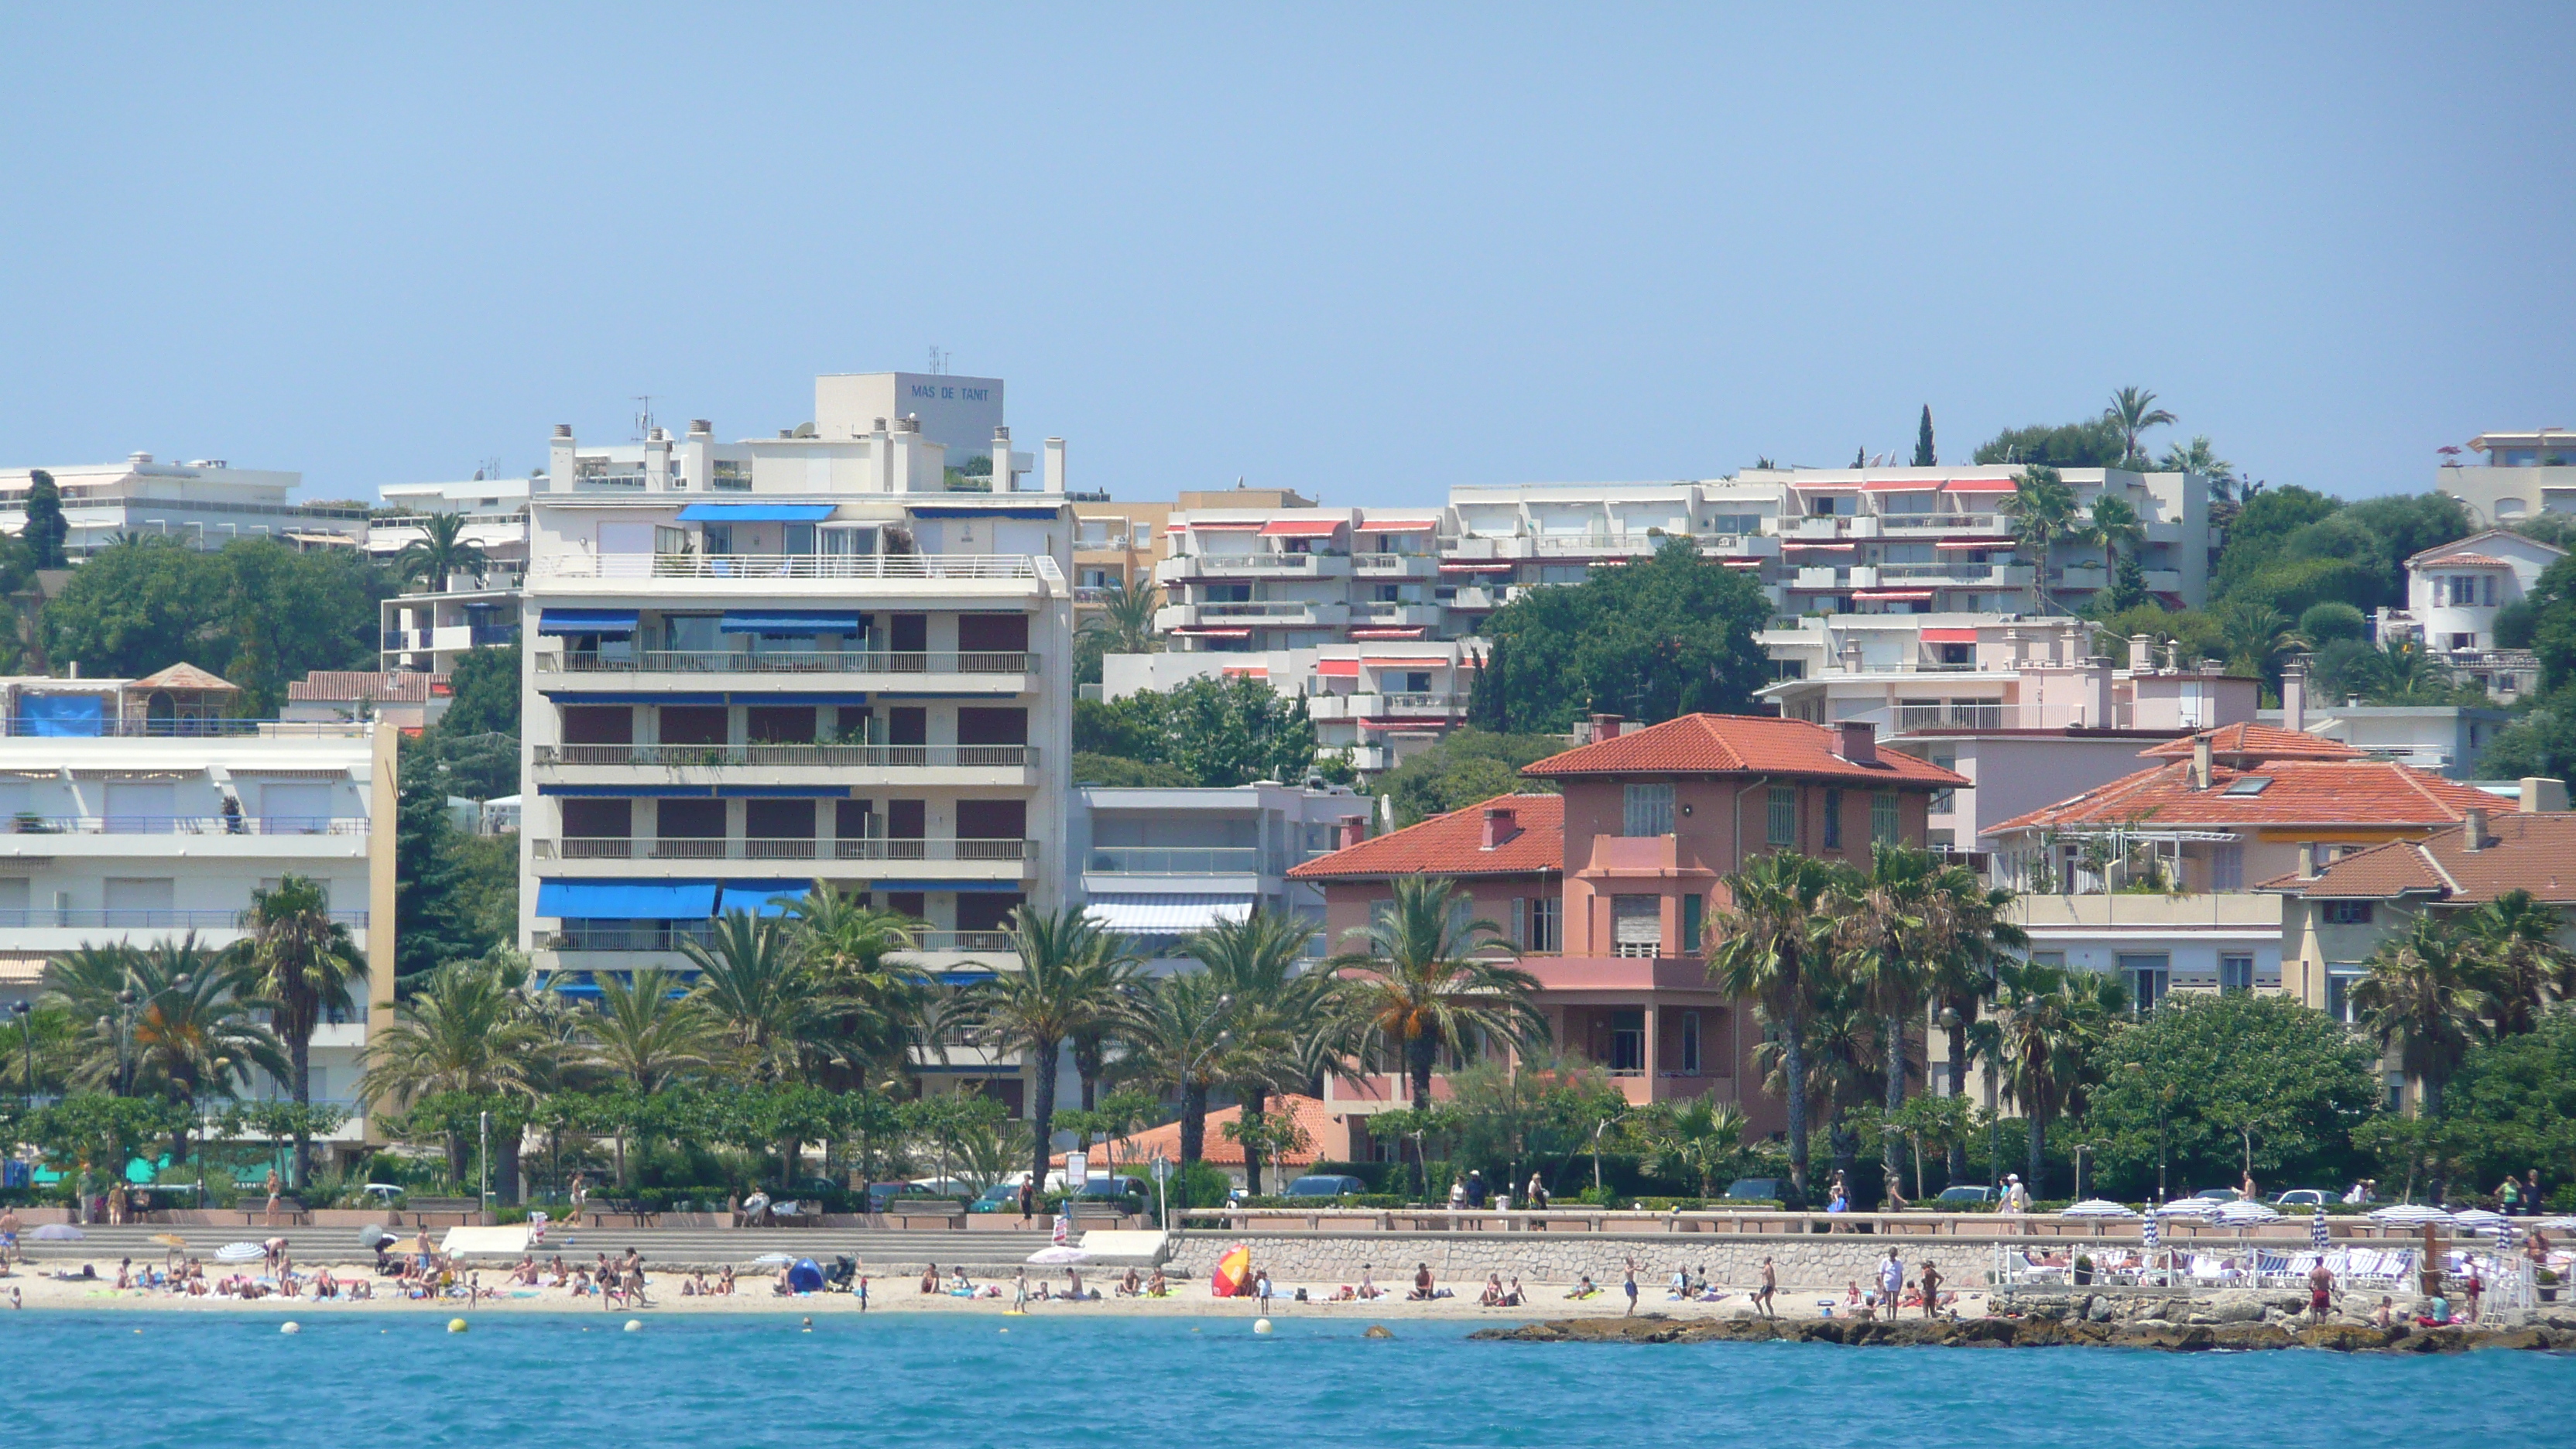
(2186, 1207)
(2147, 1233)
(58, 1233)
(805, 1276)
(2408, 1214)
(239, 1252)
(2097, 1208)
(2246, 1214)
(2318, 1235)
(2479, 1220)
(775, 1260)
(1059, 1254)
(2556, 1225)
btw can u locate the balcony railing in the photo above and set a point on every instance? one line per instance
(716, 847)
(788, 661)
(183, 729)
(1946, 522)
(963, 940)
(1418, 703)
(188, 825)
(769, 566)
(1160, 860)
(1286, 563)
(146, 919)
(863, 757)
(1288, 609)
(629, 938)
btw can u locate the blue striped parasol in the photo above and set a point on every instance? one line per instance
(2317, 1234)
(2147, 1232)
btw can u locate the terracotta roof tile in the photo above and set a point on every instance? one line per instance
(184, 675)
(1220, 1149)
(2240, 744)
(2435, 554)
(1453, 844)
(400, 686)
(2325, 793)
(2470, 561)
(1737, 744)
(2535, 853)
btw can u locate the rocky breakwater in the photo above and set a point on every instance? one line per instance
(2040, 1332)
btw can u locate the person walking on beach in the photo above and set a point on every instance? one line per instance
(9, 1226)
(2320, 1290)
(1891, 1282)
(1020, 1291)
(1028, 1205)
(1631, 1289)
(1931, 1290)
(1770, 1285)
(273, 1186)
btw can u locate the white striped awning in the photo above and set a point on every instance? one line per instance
(1166, 914)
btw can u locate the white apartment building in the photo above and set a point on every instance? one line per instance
(2453, 594)
(433, 620)
(830, 670)
(1375, 705)
(1251, 580)
(2521, 474)
(1499, 540)
(205, 503)
(139, 814)
(1160, 864)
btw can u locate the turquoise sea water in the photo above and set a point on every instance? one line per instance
(363, 1381)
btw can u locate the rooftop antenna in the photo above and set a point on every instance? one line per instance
(643, 418)
(938, 360)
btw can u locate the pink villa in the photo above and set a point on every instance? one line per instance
(1605, 890)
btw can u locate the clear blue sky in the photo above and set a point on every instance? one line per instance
(1367, 252)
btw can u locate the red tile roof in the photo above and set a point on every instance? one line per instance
(184, 675)
(2535, 853)
(2331, 794)
(2434, 555)
(1737, 744)
(2243, 744)
(389, 686)
(1453, 844)
(1219, 1149)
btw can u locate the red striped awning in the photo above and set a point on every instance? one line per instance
(1338, 668)
(1842, 547)
(1397, 525)
(1901, 485)
(1985, 543)
(1202, 631)
(1386, 633)
(1500, 565)
(1440, 661)
(1982, 485)
(1246, 671)
(1891, 593)
(1230, 525)
(1949, 636)
(1301, 528)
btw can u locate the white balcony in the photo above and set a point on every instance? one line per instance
(751, 568)
(943, 672)
(1254, 565)
(1270, 614)
(1398, 616)
(852, 764)
(619, 855)
(1395, 565)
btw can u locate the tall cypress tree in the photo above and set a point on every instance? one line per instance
(1923, 454)
(46, 527)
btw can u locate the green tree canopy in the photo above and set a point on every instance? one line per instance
(257, 611)
(2093, 443)
(1653, 639)
(1467, 766)
(1212, 732)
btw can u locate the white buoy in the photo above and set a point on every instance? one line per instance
(1261, 1325)
(290, 1326)
(635, 1325)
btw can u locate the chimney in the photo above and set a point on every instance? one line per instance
(2200, 763)
(1004, 480)
(2307, 860)
(1354, 830)
(2542, 794)
(2474, 836)
(2100, 697)
(2142, 654)
(1500, 826)
(701, 428)
(1605, 727)
(2294, 693)
(1859, 742)
(1052, 481)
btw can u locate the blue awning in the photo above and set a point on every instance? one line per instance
(761, 897)
(586, 621)
(635, 792)
(962, 887)
(783, 792)
(627, 900)
(798, 696)
(798, 622)
(936, 512)
(757, 512)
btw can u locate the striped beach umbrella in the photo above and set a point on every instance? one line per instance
(2317, 1234)
(2147, 1233)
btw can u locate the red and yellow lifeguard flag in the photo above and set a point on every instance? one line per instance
(1233, 1275)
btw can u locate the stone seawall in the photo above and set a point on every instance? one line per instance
(1804, 1261)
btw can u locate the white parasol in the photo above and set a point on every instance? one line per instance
(2098, 1208)
(2410, 1214)
(1059, 1254)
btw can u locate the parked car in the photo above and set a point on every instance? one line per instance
(1326, 1184)
(1965, 1194)
(1127, 1194)
(2217, 1194)
(1759, 1189)
(2307, 1197)
(1001, 1197)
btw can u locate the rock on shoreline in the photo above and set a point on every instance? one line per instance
(2034, 1333)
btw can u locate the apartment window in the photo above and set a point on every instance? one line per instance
(1628, 1041)
(2235, 974)
(2049, 958)
(1637, 925)
(2339, 980)
(1543, 925)
(2348, 913)
(1694, 910)
(1883, 817)
(1649, 810)
(2227, 868)
(2148, 978)
(1690, 1044)
(1418, 682)
(1784, 815)
(1833, 820)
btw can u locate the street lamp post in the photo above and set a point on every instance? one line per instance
(27, 1033)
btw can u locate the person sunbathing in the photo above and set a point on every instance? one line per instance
(1512, 1296)
(1583, 1288)
(1492, 1297)
(1156, 1287)
(1131, 1285)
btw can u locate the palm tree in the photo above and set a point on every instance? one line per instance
(1974, 940)
(189, 1034)
(1888, 937)
(2113, 526)
(1422, 984)
(2421, 990)
(2515, 941)
(304, 966)
(1698, 1139)
(2050, 1024)
(442, 550)
(871, 1003)
(2043, 516)
(2134, 410)
(1775, 929)
(647, 1031)
(465, 1029)
(1280, 1015)
(752, 981)
(2255, 634)
(2200, 456)
(1072, 975)
(1125, 621)
(1176, 1037)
